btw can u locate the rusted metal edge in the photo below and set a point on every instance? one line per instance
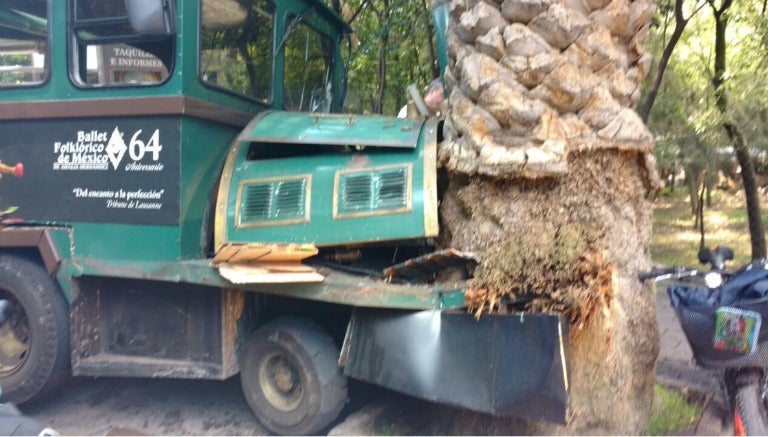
(337, 288)
(105, 364)
(39, 238)
(431, 263)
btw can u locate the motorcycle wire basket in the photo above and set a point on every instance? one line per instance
(728, 327)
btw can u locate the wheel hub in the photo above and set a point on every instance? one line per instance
(14, 337)
(280, 382)
(284, 379)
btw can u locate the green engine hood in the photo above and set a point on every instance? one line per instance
(329, 180)
(333, 130)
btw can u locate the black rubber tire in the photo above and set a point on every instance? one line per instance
(750, 405)
(307, 356)
(45, 363)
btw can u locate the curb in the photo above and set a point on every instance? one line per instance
(715, 419)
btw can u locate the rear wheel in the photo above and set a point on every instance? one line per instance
(290, 377)
(750, 416)
(34, 330)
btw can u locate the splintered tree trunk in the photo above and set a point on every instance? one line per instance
(548, 171)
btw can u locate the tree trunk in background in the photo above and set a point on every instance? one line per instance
(754, 219)
(680, 23)
(548, 172)
(383, 53)
(434, 64)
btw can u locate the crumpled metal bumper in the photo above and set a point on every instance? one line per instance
(507, 365)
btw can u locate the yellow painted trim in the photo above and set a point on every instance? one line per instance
(408, 192)
(222, 198)
(562, 353)
(431, 221)
(307, 202)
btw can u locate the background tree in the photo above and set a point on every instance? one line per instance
(724, 105)
(721, 13)
(677, 11)
(394, 48)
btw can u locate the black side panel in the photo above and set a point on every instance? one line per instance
(143, 328)
(503, 365)
(97, 170)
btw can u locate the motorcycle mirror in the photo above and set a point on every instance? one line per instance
(725, 252)
(705, 255)
(717, 256)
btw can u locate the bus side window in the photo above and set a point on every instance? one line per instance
(236, 47)
(23, 42)
(121, 64)
(110, 53)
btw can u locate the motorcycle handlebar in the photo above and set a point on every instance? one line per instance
(644, 276)
(674, 271)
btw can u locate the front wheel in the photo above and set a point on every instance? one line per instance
(34, 330)
(750, 416)
(290, 377)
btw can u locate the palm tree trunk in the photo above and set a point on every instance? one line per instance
(549, 168)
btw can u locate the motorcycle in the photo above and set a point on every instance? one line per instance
(721, 313)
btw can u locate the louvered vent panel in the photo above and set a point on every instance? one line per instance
(290, 197)
(393, 189)
(376, 191)
(358, 192)
(274, 201)
(257, 203)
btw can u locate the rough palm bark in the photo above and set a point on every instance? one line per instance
(548, 168)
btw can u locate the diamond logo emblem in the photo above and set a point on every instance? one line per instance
(116, 148)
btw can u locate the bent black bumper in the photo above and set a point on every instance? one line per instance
(510, 365)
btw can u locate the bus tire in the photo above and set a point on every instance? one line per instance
(290, 377)
(34, 337)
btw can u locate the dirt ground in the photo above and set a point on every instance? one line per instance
(137, 406)
(129, 406)
(141, 406)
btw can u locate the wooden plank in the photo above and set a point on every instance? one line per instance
(232, 306)
(238, 253)
(249, 254)
(225, 253)
(248, 274)
(282, 266)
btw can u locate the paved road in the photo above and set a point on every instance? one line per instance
(118, 406)
(136, 406)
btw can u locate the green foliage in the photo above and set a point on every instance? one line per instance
(684, 119)
(675, 241)
(672, 412)
(401, 31)
(238, 57)
(10, 60)
(306, 70)
(392, 47)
